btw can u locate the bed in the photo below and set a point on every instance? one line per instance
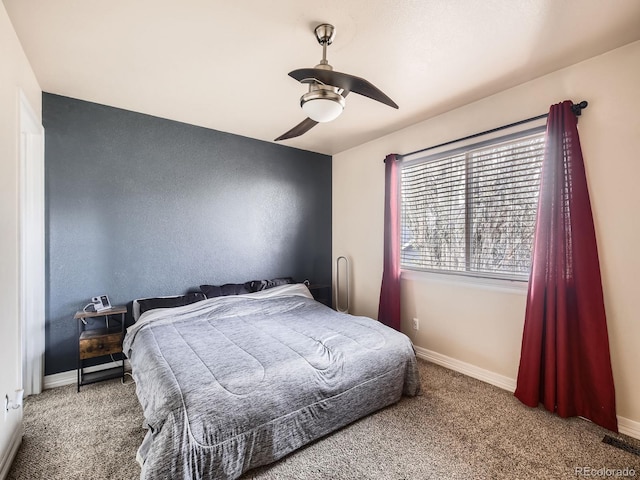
(231, 383)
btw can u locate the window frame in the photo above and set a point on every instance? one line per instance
(465, 276)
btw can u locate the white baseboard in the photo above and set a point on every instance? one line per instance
(71, 376)
(625, 425)
(10, 454)
(629, 427)
(468, 369)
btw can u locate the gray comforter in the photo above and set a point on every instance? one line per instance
(231, 383)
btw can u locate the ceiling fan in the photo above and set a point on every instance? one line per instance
(324, 101)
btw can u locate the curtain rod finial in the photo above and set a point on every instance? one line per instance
(577, 107)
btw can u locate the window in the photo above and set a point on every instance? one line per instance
(472, 210)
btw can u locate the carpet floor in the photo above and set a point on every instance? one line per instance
(459, 428)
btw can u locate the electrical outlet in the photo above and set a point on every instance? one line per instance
(416, 324)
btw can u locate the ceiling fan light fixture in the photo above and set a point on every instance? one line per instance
(322, 105)
(324, 101)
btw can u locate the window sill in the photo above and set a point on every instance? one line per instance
(493, 284)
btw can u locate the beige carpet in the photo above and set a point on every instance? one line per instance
(460, 428)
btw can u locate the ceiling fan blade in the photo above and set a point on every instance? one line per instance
(343, 80)
(303, 127)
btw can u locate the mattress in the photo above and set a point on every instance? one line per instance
(232, 383)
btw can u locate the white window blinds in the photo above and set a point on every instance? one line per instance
(473, 210)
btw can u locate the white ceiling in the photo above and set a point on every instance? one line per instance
(223, 64)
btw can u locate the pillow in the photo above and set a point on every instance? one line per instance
(212, 291)
(258, 285)
(276, 282)
(169, 302)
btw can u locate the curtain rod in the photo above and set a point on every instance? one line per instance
(576, 108)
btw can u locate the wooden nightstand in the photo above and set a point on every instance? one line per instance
(97, 342)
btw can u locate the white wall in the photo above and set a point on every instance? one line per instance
(15, 75)
(484, 327)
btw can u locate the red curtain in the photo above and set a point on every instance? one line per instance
(565, 362)
(389, 307)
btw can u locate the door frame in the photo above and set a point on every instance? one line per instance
(32, 248)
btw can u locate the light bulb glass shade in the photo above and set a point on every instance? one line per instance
(322, 109)
(322, 105)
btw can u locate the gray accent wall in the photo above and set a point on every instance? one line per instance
(140, 206)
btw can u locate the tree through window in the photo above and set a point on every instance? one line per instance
(473, 210)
